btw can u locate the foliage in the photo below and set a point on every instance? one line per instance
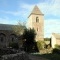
(48, 42)
(19, 28)
(56, 51)
(50, 56)
(29, 39)
(57, 46)
(47, 46)
(29, 35)
(14, 45)
(40, 44)
(5, 51)
(47, 39)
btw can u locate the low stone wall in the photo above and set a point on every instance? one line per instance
(17, 56)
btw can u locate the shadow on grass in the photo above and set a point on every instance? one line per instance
(50, 56)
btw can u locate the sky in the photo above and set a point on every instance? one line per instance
(13, 11)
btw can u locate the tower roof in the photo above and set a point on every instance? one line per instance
(36, 11)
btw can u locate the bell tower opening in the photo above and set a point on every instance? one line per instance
(37, 19)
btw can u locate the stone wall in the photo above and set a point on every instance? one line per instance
(7, 36)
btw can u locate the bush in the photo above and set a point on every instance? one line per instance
(29, 39)
(14, 45)
(57, 46)
(5, 51)
(56, 51)
(40, 45)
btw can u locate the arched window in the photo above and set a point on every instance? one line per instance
(37, 19)
(2, 37)
(13, 38)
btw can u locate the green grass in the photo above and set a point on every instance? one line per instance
(49, 56)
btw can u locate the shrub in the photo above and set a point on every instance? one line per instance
(40, 45)
(14, 45)
(57, 46)
(56, 51)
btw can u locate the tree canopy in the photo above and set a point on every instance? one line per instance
(29, 39)
(27, 35)
(19, 28)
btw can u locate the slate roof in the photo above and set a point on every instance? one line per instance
(6, 27)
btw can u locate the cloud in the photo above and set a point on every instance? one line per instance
(4, 20)
(48, 8)
(27, 8)
(51, 8)
(15, 13)
(7, 21)
(51, 26)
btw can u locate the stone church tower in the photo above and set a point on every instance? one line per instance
(36, 21)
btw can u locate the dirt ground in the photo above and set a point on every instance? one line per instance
(32, 57)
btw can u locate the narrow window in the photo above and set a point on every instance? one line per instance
(12, 39)
(2, 39)
(37, 29)
(37, 19)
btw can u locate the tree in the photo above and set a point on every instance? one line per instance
(19, 28)
(29, 39)
(40, 45)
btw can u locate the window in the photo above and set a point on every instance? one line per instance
(37, 29)
(37, 19)
(12, 39)
(1, 39)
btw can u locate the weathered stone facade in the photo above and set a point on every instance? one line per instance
(7, 35)
(36, 22)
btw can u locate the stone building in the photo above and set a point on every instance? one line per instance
(55, 39)
(36, 22)
(7, 35)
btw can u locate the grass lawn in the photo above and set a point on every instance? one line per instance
(49, 56)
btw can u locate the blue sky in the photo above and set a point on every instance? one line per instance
(12, 11)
